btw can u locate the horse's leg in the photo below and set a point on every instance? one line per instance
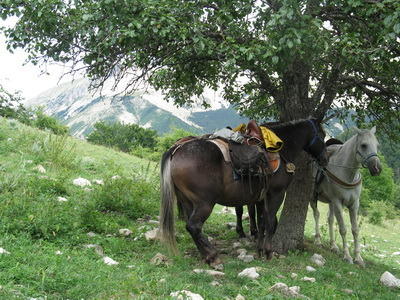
(331, 220)
(313, 204)
(239, 224)
(274, 202)
(194, 227)
(261, 227)
(353, 211)
(342, 229)
(252, 215)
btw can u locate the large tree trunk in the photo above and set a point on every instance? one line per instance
(290, 231)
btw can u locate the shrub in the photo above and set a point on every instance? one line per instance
(43, 121)
(11, 107)
(124, 137)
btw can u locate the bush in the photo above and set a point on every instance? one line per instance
(121, 136)
(43, 121)
(11, 107)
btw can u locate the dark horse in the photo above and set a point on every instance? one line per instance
(197, 177)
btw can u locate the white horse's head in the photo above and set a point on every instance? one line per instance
(367, 150)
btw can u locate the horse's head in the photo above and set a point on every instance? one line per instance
(315, 145)
(367, 149)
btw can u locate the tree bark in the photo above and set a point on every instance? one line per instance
(290, 231)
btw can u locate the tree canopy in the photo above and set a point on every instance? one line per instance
(288, 58)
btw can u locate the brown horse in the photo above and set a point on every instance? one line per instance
(197, 177)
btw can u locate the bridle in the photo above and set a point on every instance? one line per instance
(365, 158)
(314, 140)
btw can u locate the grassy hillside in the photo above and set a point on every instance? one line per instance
(56, 248)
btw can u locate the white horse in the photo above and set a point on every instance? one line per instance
(339, 184)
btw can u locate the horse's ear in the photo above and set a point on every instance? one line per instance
(373, 130)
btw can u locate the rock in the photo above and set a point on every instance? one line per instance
(396, 253)
(159, 259)
(109, 261)
(236, 245)
(81, 182)
(215, 283)
(58, 252)
(231, 225)
(3, 251)
(162, 280)
(241, 251)
(209, 272)
(240, 297)
(246, 257)
(347, 291)
(125, 232)
(40, 169)
(98, 181)
(308, 279)
(62, 199)
(318, 259)
(156, 222)
(151, 235)
(249, 273)
(293, 292)
(388, 279)
(280, 276)
(310, 269)
(115, 177)
(91, 234)
(186, 295)
(352, 273)
(219, 267)
(293, 275)
(98, 249)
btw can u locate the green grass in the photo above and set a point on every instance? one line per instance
(34, 226)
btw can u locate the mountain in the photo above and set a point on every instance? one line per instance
(77, 107)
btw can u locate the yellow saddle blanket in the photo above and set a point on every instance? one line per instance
(272, 142)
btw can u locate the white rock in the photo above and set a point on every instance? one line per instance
(231, 225)
(246, 257)
(91, 234)
(293, 275)
(156, 222)
(9, 140)
(347, 291)
(98, 249)
(40, 169)
(62, 199)
(282, 288)
(186, 295)
(98, 181)
(318, 259)
(249, 273)
(81, 182)
(240, 297)
(236, 245)
(3, 251)
(310, 269)
(109, 261)
(209, 272)
(160, 259)
(151, 235)
(215, 283)
(308, 279)
(396, 253)
(125, 231)
(58, 252)
(241, 251)
(162, 280)
(115, 177)
(280, 276)
(388, 279)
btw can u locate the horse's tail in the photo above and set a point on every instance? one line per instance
(168, 198)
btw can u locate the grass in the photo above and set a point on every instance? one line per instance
(47, 239)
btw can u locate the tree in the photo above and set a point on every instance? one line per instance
(289, 58)
(122, 136)
(11, 107)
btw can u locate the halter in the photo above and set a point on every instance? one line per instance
(364, 158)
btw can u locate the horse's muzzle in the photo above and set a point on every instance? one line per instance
(374, 166)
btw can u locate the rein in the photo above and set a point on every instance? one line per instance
(341, 182)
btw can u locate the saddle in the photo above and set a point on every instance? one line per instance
(248, 160)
